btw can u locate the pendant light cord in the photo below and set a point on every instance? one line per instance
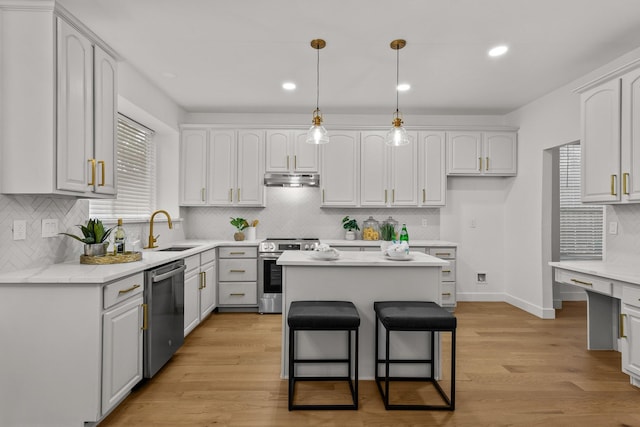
(318, 80)
(397, 81)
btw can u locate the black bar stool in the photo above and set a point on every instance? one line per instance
(414, 316)
(323, 316)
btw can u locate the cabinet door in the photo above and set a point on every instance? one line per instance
(374, 170)
(221, 181)
(464, 153)
(76, 169)
(305, 155)
(630, 342)
(121, 351)
(630, 134)
(600, 143)
(192, 284)
(339, 166)
(193, 167)
(105, 116)
(403, 179)
(207, 290)
(250, 181)
(277, 151)
(500, 153)
(433, 180)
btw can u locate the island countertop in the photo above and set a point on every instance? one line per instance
(353, 259)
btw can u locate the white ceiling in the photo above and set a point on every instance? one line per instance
(234, 55)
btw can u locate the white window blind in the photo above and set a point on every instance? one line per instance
(136, 175)
(581, 225)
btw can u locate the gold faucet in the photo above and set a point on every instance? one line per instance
(153, 240)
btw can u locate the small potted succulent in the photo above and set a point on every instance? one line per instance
(240, 224)
(94, 237)
(351, 225)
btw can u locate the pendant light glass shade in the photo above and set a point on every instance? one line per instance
(317, 134)
(397, 135)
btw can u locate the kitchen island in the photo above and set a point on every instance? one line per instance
(362, 278)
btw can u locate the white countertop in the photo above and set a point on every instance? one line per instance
(623, 272)
(351, 259)
(417, 243)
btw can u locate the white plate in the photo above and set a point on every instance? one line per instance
(400, 258)
(324, 256)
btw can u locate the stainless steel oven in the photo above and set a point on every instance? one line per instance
(270, 273)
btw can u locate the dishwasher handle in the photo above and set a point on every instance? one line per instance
(171, 273)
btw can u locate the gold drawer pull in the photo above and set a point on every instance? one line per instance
(581, 282)
(237, 271)
(124, 291)
(622, 316)
(236, 253)
(237, 294)
(446, 294)
(446, 271)
(443, 254)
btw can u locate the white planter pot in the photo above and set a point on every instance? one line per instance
(350, 235)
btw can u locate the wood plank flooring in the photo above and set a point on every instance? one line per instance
(513, 369)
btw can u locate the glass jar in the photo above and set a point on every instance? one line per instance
(389, 229)
(370, 229)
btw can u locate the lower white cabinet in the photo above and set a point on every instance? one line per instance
(630, 333)
(199, 288)
(237, 277)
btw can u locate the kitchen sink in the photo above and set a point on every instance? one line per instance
(176, 248)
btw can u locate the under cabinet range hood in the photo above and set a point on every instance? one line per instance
(292, 180)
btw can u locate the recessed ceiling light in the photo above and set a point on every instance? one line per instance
(498, 50)
(169, 75)
(402, 87)
(288, 86)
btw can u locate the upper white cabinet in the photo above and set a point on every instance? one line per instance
(388, 175)
(482, 153)
(339, 161)
(220, 167)
(288, 152)
(59, 118)
(432, 181)
(611, 139)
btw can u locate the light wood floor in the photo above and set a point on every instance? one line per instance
(513, 369)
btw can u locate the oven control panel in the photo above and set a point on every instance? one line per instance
(288, 245)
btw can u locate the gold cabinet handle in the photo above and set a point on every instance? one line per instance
(145, 325)
(393, 195)
(287, 162)
(446, 271)
(231, 194)
(202, 194)
(93, 171)
(486, 166)
(443, 254)
(236, 253)
(480, 164)
(323, 195)
(237, 294)
(581, 282)
(446, 294)
(238, 199)
(295, 162)
(202, 279)
(237, 271)
(124, 291)
(625, 179)
(102, 174)
(424, 195)
(385, 196)
(613, 185)
(622, 335)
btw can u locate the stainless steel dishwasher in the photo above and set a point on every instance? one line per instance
(164, 320)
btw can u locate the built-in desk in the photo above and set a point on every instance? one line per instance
(613, 307)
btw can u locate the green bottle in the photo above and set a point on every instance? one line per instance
(404, 236)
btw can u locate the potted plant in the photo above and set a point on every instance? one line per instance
(350, 225)
(240, 224)
(388, 234)
(94, 237)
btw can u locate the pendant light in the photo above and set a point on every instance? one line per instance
(317, 133)
(397, 135)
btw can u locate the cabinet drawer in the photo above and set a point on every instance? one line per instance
(238, 252)
(448, 293)
(208, 256)
(585, 281)
(448, 273)
(444, 253)
(244, 293)
(631, 295)
(237, 270)
(123, 289)
(191, 263)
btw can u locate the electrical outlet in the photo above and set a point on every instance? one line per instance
(19, 229)
(424, 222)
(49, 227)
(473, 223)
(613, 228)
(481, 278)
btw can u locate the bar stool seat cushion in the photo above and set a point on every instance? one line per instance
(323, 315)
(414, 315)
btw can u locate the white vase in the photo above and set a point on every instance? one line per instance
(250, 233)
(350, 235)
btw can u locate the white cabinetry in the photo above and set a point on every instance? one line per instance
(432, 180)
(478, 153)
(231, 173)
(237, 277)
(630, 332)
(388, 175)
(199, 289)
(60, 116)
(339, 170)
(288, 152)
(122, 342)
(610, 130)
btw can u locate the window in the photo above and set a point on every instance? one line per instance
(136, 175)
(581, 225)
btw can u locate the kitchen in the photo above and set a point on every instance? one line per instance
(506, 242)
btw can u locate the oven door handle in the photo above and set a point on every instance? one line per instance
(269, 257)
(171, 273)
